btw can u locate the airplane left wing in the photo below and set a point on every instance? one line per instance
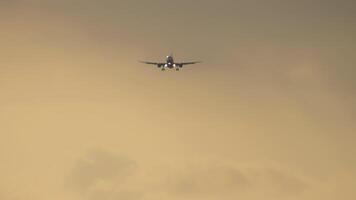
(188, 63)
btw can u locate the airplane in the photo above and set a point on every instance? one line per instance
(170, 64)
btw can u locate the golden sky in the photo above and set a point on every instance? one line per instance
(270, 114)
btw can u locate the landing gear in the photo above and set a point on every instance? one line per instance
(177, 69)
(163, 68)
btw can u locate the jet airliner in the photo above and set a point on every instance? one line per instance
(170, 64)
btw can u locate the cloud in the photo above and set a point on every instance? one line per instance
(207, 180)
(114, 195)
(278, 182)
(102, 175)
(231, 181)
(106, 176)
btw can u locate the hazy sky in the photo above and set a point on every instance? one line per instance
(270, 114)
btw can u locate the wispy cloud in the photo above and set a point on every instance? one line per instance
(102, 175)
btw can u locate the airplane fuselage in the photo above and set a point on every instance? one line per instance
(170, 62)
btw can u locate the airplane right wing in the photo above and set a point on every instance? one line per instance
(153, 63)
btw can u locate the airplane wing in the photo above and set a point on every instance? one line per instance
(188, 63)
(153, 63)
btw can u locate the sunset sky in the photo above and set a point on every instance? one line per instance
(270, 113)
